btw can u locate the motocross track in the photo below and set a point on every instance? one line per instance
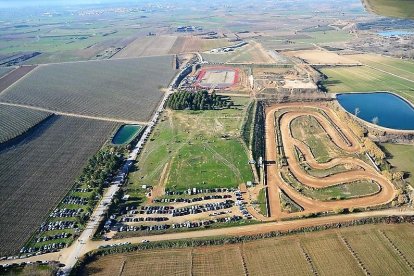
(342, 137)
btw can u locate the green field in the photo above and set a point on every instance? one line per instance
(365, 79)
(201, 149)
(322, 37)
(402, 158)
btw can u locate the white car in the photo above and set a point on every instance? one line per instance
(145, 241)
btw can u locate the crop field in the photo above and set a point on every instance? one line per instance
(38, 171)
(185, 44)
(201, 149)
(116, 89)
(327, 252)
(251, 53)
(402, 158)
(15, 121)
(398, 67)
(320, 162)
(366, 79)
(321, 57)
(5, 70)
(148, 46)
(14, 76)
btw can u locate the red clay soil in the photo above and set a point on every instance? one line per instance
(14, 76)
(362, 171)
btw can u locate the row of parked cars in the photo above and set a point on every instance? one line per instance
(190, 200)
(53, 237)
(141, 219)
(65, 213)
(57, 225)
(196, 209)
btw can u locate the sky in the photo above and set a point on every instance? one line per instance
(31, 3)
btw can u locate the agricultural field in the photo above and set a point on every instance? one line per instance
(321, 57)
(15, 121)
(327, 255)
(5, 70)
(185, 44)
(366, 79)
(148, 46)
(14, 76)
(196, 149)
(38, 171)
(398, 67)
(126, 90)
(251, 53)
(402, 158)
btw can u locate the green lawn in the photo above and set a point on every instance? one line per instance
(201, 149)
(365, 79)
(261, 200)
(401, 157)
(326, 37)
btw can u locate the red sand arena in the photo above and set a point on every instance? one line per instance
(217, 77)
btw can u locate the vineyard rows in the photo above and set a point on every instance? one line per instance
(118, 89)
(15, 121)
(36, 173)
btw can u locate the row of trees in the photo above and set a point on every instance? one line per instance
(200, 100)
(100, 166)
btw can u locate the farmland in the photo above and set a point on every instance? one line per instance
(15, 121)
(251, 53)
(5, 70)
(327, 254)
(38, 171)
(116, 89)
(9, 79)
(201, 149)
(147, 46)
(185, 44)
(366, 79)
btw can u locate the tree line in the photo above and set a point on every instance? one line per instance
(200, 100)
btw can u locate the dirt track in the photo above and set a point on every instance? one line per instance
(345, 141)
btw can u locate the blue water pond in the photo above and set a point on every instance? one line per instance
(384, 109)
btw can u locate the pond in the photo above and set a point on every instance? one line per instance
(126, 134)
(384, 109)
(396, 33)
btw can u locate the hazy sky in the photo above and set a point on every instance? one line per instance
(25, 3)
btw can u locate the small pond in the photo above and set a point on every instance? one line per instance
(384, 109)
(396, 33)
(126, 134)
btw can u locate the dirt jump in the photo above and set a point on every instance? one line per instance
(279, 120)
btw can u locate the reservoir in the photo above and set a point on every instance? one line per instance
(126, 134)
(384, 109)
(396, 33)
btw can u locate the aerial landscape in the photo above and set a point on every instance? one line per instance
(206, 138)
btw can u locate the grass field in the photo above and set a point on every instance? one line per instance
(200, 149)
(365, 79)
(15, 121)
(402, 68)
(120, 89)
(36, 173)
(185, 44)
(308, 130)
(402, 158)
(276, 256)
